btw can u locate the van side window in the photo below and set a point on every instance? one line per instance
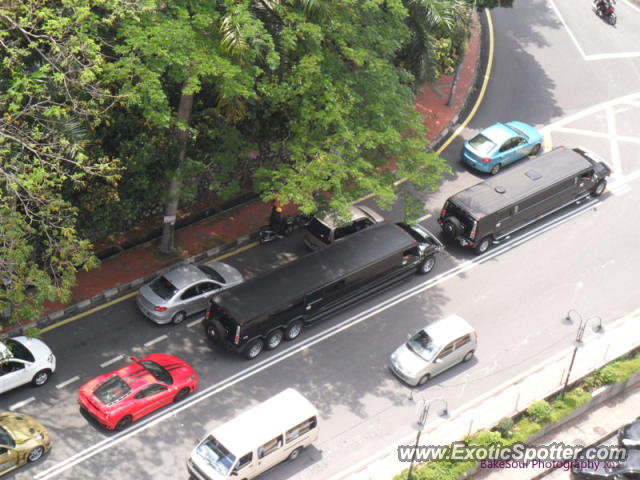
(270, 447)
(244, 461)
(446, 351)
(463, 341)
(301, 429)
(343, 231)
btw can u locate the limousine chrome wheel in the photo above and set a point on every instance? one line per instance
(274, 339)
(599, 190)
(254, 349)
(482, 246)
(428, 264)
(293, 330)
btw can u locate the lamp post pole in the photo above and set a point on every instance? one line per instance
(582, 325)
(423, 412)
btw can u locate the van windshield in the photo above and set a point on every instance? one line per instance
(216, 455)
(422, 345)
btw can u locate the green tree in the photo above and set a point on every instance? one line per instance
(438, 34)
(51, 96)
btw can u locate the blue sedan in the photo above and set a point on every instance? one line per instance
(500, 145)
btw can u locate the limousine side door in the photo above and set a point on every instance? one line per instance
(325, 298)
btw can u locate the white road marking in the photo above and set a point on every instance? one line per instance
(64, 384)
(428, 215)
(594, 57)
(620, 190)
(594, 134)
(613, 142)
(249, 372)
(155, 340)
(113, 360)
(21, 404)
(195, 322)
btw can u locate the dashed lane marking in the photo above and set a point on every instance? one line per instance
(113, 360)
(195, 322)
(21, 404)
(155, 340)
(67, 382)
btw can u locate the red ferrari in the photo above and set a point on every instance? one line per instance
(118, 398)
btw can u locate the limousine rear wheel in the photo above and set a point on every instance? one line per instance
(293, 330)
(254, 349)
(274, 339)
(599, 190)
(482, 246)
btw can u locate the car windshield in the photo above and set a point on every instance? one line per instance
(211, 273)
(319, 229)
(216, 455)
(112, 390)
(158, 371)
(6, 438)
(163, 288)
(518, 131)
(482, 144)
(422, 345)
(18, 350)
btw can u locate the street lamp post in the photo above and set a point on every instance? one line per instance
(423, 412)
(582, 325)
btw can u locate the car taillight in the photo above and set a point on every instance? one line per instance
(206, 315)
(485, 160)
(237, 339)
(472, 235)
(476, 334)
(443, 213)
(160, 309)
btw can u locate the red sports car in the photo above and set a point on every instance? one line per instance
(118, 398)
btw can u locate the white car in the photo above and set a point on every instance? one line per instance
(24, 360)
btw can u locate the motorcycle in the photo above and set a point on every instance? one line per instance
(267, 234)
(605, 9)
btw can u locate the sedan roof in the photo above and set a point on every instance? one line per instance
(185, 276)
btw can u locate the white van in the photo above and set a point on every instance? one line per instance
(274, 431)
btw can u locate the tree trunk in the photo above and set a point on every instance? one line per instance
(167, 242)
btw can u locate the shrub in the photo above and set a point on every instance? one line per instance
(607, 375)
(505, 427)
(485, 438)
(540, 412)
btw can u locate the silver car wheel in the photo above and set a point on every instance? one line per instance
(178, 318)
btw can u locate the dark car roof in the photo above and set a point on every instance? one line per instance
(520, 181)
(313, 271)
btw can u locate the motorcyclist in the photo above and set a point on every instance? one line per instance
(602, 6)
(276, 221)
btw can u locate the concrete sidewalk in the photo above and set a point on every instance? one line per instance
(619, 337)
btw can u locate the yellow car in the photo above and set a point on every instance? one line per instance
(22, 440)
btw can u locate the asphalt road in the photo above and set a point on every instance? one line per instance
(555, 66)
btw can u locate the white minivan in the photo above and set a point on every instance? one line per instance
(256, 440)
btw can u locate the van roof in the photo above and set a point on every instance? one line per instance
(447, 329)
(264, 422)
(520, 181)
(313, 271)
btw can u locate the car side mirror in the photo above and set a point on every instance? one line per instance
(408, 336)
(134, 359)
(437, 360)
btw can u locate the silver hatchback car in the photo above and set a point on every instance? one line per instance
(437, 347)
(185, 290)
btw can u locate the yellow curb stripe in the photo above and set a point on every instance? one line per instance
(547, 142)
(483, 89)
